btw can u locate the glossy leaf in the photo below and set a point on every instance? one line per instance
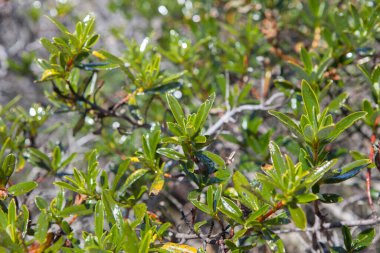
(229, 208)
(171, 153)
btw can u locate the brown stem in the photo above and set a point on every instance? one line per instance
(278, 206)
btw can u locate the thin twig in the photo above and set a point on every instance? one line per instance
(229, 114)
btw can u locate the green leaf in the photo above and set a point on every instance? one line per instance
(330, 198)
(198, 225)
(136, 175)
(337, 102)
(203, 112)
(346, 123)
(68, 186)
(163, 228)
(348, 171)
(113, 211)
(120, 173)
(306, 59)
(92, 41)
(310, 99)
(163, 88)
(49, 46)
(42, 227)
(242, 186)
(7, 169)
(324, 132)
(79, 210)
(12, 215)
(277, 159)
(254, 215)
(131, 240)
(22, 188)
(139, 211)
(150, 142)
(176, 109)
(56, 159)
(231, 210)
(288, 122)
(347, 237)
(68, 160)
(193, 198)
(171, 153)
(317, 173)
(175, 129)
(24, 220)
(50, 74)
(306, 198)
(99, 219)
(7, 244)
(145, 242)
(364, 239)
(215, 158)
(59, 25)
(298, 216)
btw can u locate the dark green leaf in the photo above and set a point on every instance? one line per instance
(330, 198)
(348, 171)
(347, 237)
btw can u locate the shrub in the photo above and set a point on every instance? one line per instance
(273, 84)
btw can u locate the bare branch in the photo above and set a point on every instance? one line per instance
(229, 114)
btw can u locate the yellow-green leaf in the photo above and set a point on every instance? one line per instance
(157, 185)
(49, 74)
(178, 248)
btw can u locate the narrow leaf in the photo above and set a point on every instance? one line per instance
(346, 123)
(176, 109)
(22, 188)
